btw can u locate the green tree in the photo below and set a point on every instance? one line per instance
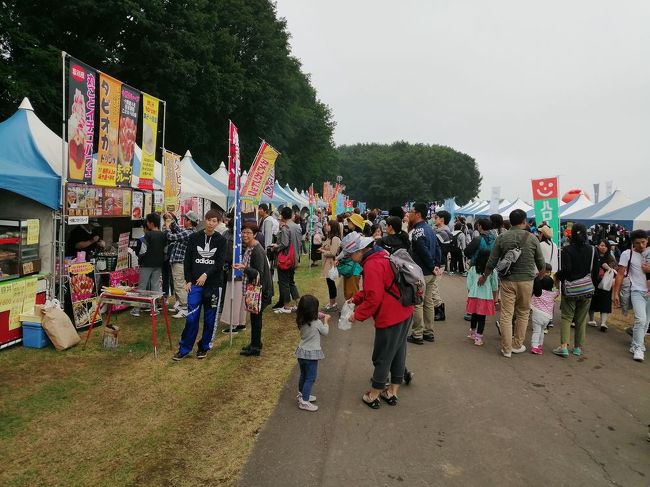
(388, 175)
(211, 60)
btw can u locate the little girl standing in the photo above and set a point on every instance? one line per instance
(481, 300)
(541, 305)
(309, 351)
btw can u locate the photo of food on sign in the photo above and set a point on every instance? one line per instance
(128, 131)
(83, 312)
(148, 144)
(77, 137)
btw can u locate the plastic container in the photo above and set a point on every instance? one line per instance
(34, 336)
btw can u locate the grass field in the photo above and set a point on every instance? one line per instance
(123, 417)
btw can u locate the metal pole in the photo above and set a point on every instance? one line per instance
(64, 173)
(162, 154)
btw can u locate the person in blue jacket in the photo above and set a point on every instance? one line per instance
(427, 254)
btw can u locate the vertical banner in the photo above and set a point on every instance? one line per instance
(259, 174)
(233, 171)
(495, 196)
(340, 203)
(450, 206)
(609, 187)
(545, 196)
(269, 187)
(596, 192)
(149, 132)
(81, 121)
(109, 116)
(233, 155)
(172, 190)
(129, 107)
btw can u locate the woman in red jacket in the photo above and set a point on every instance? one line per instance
(392, 320)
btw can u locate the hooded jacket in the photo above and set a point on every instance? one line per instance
(373, 300)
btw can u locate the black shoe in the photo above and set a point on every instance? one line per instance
(412, 339)
(277, 305)
(467, 317)
(429, 338)
(251, 352)
(240, 328)
(179, 356)
(200, 354)
(249, 346)
(439, 312)
(408, 377)
(230, 329)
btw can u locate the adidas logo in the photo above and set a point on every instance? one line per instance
(204, 261)
(205, 252)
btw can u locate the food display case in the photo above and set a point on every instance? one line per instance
(19, 254)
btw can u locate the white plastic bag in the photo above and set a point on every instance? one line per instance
(333, 273)
(346, 313)
(607, 281)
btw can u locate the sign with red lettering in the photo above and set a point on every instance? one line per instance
(81, 121)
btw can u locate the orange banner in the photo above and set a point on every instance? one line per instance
(109, 117)
(258, 175)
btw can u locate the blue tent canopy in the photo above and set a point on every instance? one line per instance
(633, 217)
(24, 169)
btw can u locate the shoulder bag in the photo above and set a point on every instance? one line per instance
(583, 287)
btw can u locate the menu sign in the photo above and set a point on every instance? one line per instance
(109, 115)
(158, 201)
(129, 107)
(83, 200)
(137, 206)
(82, 293)
(148, 203)
(117, 202)
(123, 251)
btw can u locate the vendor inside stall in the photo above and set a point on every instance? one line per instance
(85, 238)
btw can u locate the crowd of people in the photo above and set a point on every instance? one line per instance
(511, 267)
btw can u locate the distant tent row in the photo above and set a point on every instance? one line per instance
(617, 208)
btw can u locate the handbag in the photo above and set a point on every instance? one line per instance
(625, 293)
(583, 287)
(607, 281)
(287, 260)
(253, 296)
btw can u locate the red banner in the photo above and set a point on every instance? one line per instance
(233, 154)
(129, 107)
(544, 189)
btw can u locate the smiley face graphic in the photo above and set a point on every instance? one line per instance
(544, 188)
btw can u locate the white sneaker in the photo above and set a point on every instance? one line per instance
(135, 312)
(182, 313)
(521, 349)
(592, 323)
(307, 406)
(176, 306)
(311, 398)
(282, 310)
(638, 355)
(505, 354)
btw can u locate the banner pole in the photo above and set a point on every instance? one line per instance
(162, 154)
(64, 174)
(232, 271)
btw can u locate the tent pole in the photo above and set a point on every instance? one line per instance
(162, 154)
(64, 173)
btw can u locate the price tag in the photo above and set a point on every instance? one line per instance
(33, 229)
(28, 267)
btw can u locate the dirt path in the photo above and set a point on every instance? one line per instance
(471, 417)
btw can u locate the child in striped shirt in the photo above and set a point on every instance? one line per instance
(541, 305)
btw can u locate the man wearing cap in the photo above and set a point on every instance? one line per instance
(426, 254)
(178, 237)
(379, 299)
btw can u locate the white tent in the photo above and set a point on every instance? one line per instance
(47, 142)
(633, 217)
(579, 203)
(485, 211)
(221, 174)
(196, 182)
(518, 204)
(592, 213)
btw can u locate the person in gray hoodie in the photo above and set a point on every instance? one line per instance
(290, 235)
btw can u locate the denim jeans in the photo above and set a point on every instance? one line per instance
(308, 370)
(641, 306)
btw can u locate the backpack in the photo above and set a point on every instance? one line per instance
(511, 256)
(408, 278)
(454, 240)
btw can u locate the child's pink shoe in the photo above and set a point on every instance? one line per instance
(537, 350)
(478, 339)
(471, 334)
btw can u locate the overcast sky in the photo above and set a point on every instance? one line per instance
(529, 89)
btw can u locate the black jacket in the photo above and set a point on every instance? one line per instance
(259, 265)
(205, 254)
(395, 242)
(577, 262)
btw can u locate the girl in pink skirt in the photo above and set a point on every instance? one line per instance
(481, 300)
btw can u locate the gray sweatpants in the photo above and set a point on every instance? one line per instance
(150, 279)
(389, 354)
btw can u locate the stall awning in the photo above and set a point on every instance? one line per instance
(23, 167)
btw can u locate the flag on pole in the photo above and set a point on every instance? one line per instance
(270, 184)
(545, 196)
(258, 175)
(233, 155)
(234, 163)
